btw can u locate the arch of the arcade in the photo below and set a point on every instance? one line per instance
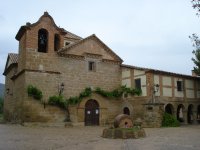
(188, 113)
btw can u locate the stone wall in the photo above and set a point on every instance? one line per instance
(36, 111)
(153, 115)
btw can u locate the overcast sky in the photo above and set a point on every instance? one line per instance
(144, 33)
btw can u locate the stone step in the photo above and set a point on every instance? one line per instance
(47, 124)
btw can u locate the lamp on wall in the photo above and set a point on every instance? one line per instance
(61, 88)
(155, 89)
(7, 91)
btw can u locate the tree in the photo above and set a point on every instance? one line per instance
(196, 59)
(196, 5)
(196, 41)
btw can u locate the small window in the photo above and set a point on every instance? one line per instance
(138, 83)
(56, 42)
(67, 43)
(179, 85)
(91, 66)
(126, 111)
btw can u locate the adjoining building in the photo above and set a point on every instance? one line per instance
(51, 58)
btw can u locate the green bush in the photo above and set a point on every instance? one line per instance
(86, 93)
(170, 121)
(34, 92)
(117, 93)
(58, 100)
(74, 100)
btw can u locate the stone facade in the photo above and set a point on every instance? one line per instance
(50, 56)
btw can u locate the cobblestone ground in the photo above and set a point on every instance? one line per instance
(16, 137)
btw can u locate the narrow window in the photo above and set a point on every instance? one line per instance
(42, 40)
(67, 43)
(91, 66)
(126, 111)
(56, 42)
(138, 83)
(179, 85)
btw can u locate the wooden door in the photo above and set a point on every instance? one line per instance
(91, 113)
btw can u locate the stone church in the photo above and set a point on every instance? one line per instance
(56, 60)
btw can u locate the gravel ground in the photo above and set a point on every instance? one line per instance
(16, 137)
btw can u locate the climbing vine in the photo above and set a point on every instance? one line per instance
(117, 93)
(34, 92)
(58, 101)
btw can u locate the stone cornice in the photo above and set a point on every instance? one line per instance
(78, 57)
(92, 55)
(31, 70)
(111, 61)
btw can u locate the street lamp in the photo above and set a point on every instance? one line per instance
(7, 91)
(61, 88)
(155, 89)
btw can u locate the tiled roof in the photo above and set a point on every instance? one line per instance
(13, 58)
(135, 67)
(160, 71)
(72, 35)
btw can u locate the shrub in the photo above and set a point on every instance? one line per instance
(74, 100)
(118, 92)
(169, 121)
(86, 93)
(58, 100)
(34, 92)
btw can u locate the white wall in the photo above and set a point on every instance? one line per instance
(167, 92)
(138, 72)
(166, 81)
(126, 73)
(126, 82)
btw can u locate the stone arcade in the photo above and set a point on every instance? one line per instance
(50, 56)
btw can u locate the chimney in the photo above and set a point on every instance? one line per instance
(194, 74)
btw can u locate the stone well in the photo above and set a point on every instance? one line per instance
(124, 128)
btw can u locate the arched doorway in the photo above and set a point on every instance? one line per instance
(180, 109)
(169, 109)
(91, 113)
(126, 111)
(190, 114)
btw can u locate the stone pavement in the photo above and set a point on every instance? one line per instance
(16, 137)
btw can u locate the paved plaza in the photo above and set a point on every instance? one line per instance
(16, 137)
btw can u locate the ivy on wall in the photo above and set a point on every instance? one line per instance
(61, 102)
(117, 93)
(34, 92)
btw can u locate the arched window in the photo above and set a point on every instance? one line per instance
(42, 40)
(56, 42)
(169, 109)
(126, 111)
(190, 114)
(180, 110)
